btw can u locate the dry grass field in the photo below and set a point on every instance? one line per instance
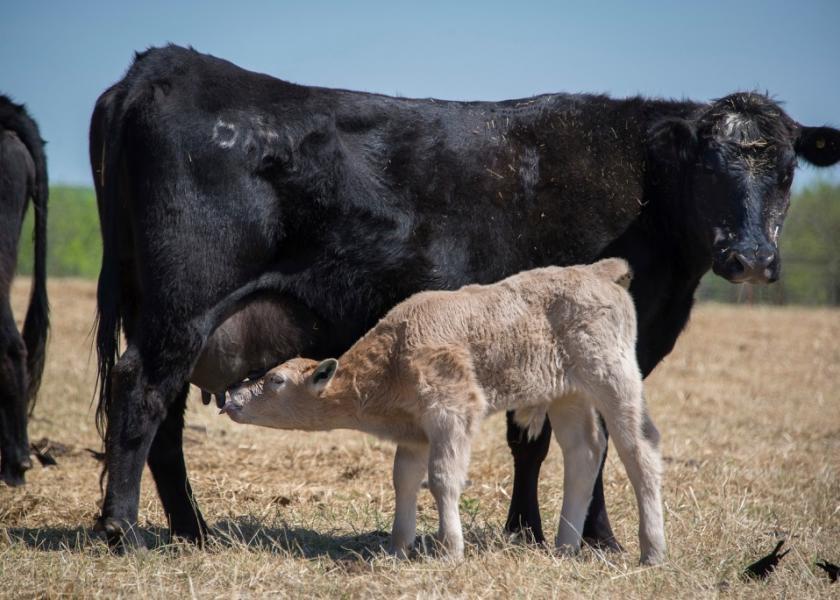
(749, 409)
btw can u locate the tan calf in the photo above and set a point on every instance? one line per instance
(554, 341)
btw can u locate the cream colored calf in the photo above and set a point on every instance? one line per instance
(554, 341)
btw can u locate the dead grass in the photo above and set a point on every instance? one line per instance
(749, 409)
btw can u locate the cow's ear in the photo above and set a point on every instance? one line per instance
(673, 141)
(820, 146)
(323, 374)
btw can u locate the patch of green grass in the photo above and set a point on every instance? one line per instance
(74, 244)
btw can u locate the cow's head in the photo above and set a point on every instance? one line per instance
(737, 157)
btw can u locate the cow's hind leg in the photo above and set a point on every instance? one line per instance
(166, 462)
(528, 456)
(14, 443)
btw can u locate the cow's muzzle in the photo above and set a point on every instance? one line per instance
(748, 263)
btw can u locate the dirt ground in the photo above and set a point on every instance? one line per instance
(748, 405)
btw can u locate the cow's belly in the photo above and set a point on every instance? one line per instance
(260, 335)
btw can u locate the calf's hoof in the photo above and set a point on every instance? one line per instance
(400, 553)
(567, 550)
(653, 556)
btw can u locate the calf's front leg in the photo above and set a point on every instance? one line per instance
(449, 459)
(410, 465)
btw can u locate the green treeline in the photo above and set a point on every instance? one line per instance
(74, 245)
(810, 245)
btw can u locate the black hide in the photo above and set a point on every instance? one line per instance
(23, 175)
(209, 176)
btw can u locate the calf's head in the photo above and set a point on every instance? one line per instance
(736, 158)
(289, 396)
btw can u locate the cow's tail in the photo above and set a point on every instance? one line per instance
(106, 154)
(37, 322)
(616, 270)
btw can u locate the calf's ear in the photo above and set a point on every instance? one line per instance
(323, 374)
(673, 141)
(820, 146)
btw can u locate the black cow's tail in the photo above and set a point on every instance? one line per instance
(37, 322)
(106, 154)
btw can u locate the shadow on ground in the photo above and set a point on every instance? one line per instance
(225, 534)
(244, 532)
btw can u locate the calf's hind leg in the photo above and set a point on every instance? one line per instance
(579, 434)
(622, 405)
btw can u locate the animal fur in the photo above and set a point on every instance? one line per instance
(553, 341)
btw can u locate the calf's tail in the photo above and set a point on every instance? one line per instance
(616, 270)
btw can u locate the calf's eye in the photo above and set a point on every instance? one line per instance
(277, 380)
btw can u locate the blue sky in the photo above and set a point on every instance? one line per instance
(58, 56)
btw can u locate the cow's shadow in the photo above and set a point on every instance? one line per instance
(241, 532)
(226, 534)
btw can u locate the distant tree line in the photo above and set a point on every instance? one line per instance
(74, 244)
(810, 244)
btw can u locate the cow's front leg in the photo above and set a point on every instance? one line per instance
(166, 462)
(146, 386)
(133, 417)
(528, 456)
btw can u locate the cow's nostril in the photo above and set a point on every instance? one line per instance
(765, 259)
(742, 261)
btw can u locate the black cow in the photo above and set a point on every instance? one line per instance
(211, 179)
(23, 175)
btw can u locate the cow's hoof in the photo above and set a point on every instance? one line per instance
(13, 474)
(122, 536)
(525, 534)
(13, 478)
(194, 535)
(604, 544)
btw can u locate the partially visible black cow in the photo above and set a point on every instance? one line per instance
(23, 175)
(209, 177)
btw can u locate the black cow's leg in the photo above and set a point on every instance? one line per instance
(132, 424)
(142, 392)
(14, 443)
(528, 456)
(166, 462)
